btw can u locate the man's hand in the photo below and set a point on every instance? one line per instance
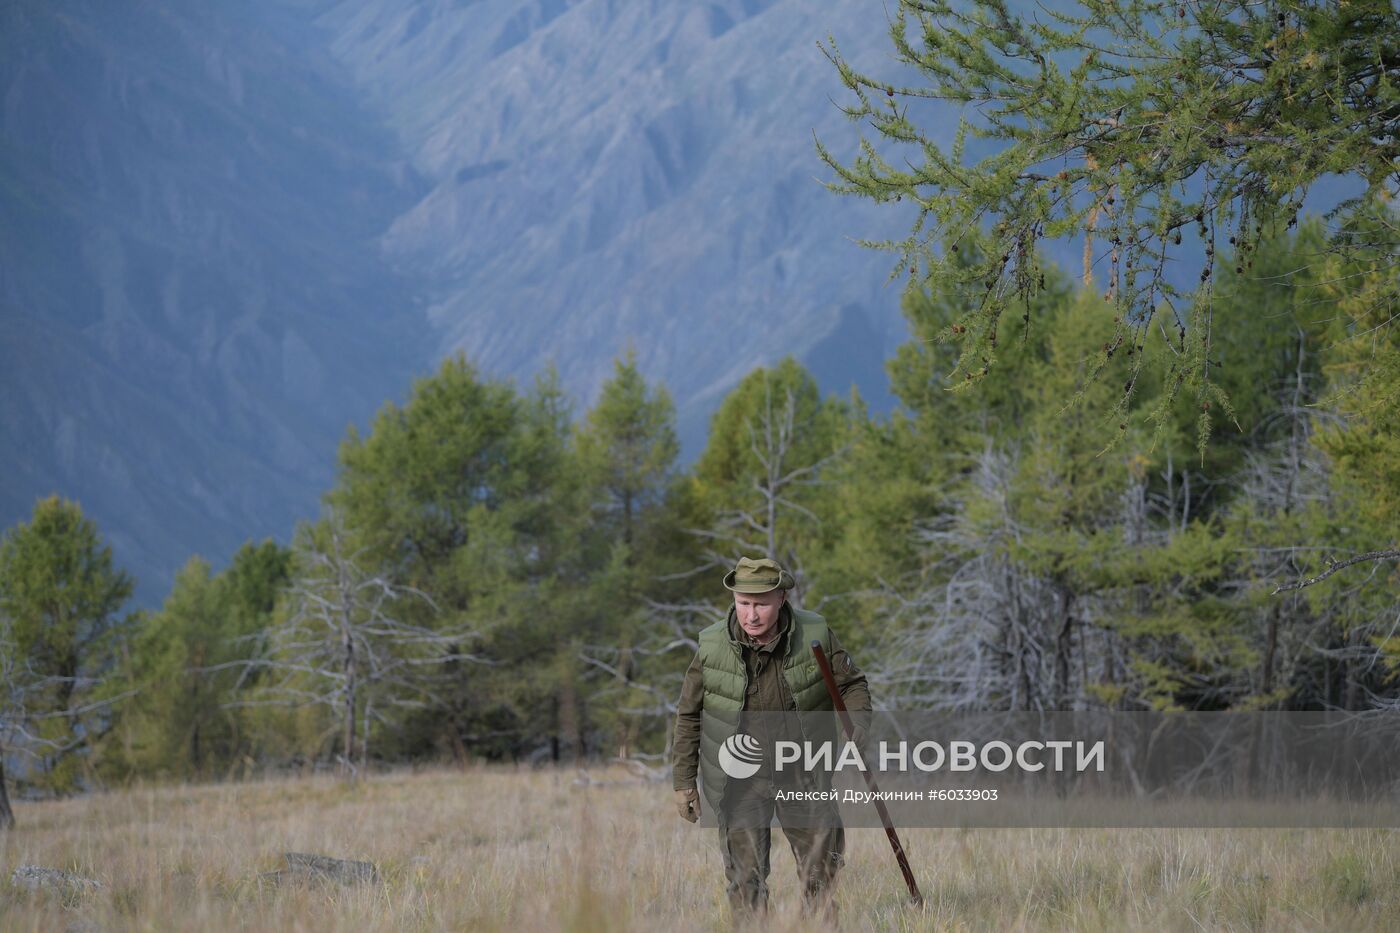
(858, 736)
(688, 804)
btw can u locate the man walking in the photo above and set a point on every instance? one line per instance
(755, 674)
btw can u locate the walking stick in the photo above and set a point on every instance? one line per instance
(840, 704)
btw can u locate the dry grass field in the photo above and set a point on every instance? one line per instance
(500, 849)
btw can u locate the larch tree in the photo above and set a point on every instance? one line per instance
(344, 644)
(12, 707)
(60, 598)
(467, 492)
(1127, 123)
(760, 476)
(1132, 125)
(626, 448)
(183, 722)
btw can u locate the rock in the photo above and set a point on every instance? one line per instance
(301, 866)
(83, 925)
(36, 878)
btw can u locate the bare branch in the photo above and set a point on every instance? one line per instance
(1334, 566)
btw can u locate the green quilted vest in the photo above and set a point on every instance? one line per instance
(725, 679)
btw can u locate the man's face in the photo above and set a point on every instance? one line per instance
(758, 613)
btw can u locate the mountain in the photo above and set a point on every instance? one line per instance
(603, 174)
(231, 231)
(193, 303)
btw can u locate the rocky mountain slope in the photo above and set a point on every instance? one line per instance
(230, 231)
(603, 173)
(192, 301)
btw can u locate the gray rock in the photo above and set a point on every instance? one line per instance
(306, 867)
(37, 878)
(82, 925)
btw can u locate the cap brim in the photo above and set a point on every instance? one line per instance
(785, 582)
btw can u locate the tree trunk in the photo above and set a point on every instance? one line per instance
(1354, 671)
(568, 725)
(7, 816)
(554, 739)
(1063, 646)
(1270, 648)
(627, 519)
(459, 748)
(364, 738)
(347, 647)
(194, 748)
(346, 594)
(349, 736)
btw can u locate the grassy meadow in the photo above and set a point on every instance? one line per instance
(503, 849)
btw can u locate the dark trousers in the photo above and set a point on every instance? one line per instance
(813, 830)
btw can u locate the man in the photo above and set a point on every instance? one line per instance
(759, 660)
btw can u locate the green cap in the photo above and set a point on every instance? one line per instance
(758, 576)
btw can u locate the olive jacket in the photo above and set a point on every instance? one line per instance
(731, 673)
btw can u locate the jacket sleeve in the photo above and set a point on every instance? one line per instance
(851, 682)
(685, 742)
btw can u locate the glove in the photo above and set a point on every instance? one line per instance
(858, 737)
(860, 728)
(688, 804)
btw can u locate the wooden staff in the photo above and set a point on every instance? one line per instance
(840, 704)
